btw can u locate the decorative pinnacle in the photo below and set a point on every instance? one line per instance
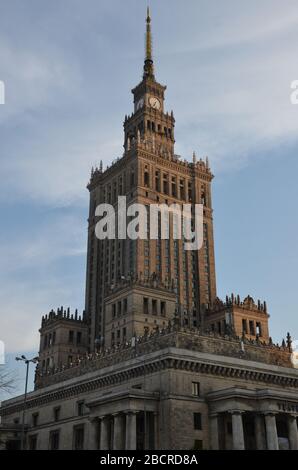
(148, 65)
(148, 37)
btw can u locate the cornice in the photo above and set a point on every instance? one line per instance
(171, 359)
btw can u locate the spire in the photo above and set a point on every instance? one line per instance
(148, 65)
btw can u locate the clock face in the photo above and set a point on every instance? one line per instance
(140, 104)
(154, 102)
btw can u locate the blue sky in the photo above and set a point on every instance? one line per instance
(69, 66)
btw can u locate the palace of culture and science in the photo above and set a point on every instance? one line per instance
(156, 360)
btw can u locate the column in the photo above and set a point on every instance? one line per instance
(104, 433)
(293, 432)
(147, 430)
(271, 432)
(131, 431)
(156, 431)
(213, 432)
(238, 434)
(260, 432)
(118, 432)
(94, 434)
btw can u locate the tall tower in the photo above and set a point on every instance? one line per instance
(135, 285)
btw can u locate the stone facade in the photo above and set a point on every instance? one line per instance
(63, 338)
(175, 389)
(246, 319)
(149, 172)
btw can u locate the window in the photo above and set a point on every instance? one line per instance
(146, 305)
(32, 442)
(174, 188)
(81, 408)
(70, 336)
(157, 181)
(78, 438)
(198, 445)
(56, 413)
(163, 308)
(113, 310)
(154, 307)
(197, 420)
(259, 329)
(69, 360)
(165, 184)
(196, 389)
(125, 305)
(203, 198)
(119, 308)
(182, 190)
(251, 327)
(189, 191)
(54, 440)
(244, 326)
(35, 419)
(79, 337)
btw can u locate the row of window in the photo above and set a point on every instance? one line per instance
(79, 436)
(54, 439)
(163, 183)
(252, 328)
(118, 187)
(170, 185)
(50, 338)
(116, 336)
(151, 127)
(119, 308)
(57, 413)
(157, 308)
(249, 327)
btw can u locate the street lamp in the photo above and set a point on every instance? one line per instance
(27, 362)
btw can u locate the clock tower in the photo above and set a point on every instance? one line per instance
(134, 286)
(149, 122)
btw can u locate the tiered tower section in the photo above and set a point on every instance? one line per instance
(63, 338)
(148, 173)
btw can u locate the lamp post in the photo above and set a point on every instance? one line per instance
(27, 362)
